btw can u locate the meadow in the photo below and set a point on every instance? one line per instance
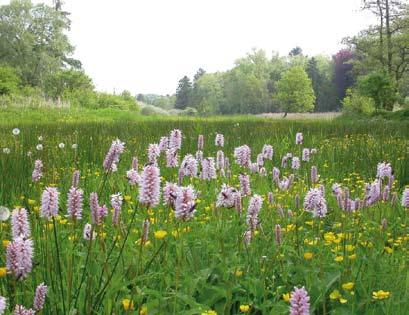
(201, 250)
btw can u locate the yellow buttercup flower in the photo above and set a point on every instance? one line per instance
(308, 255)
(286, 297)
(244, 308)
(209, 312)
(143, 310)
(339, 259)
(160, 234)
(127, 304)
(31, 202)
(238, 273)
(335, 295)
(348, 286)
(6, 243)
(381, 295)
(3, 272)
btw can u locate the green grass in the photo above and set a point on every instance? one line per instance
(203, 264)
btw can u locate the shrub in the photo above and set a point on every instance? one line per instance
(357, 103)
(9, 80)
(150, 110)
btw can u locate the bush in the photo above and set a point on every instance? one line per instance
(357, 103)
(9, 81)
(189, 111)
(150, 110)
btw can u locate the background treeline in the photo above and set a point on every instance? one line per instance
(370, 74)
(36, 64)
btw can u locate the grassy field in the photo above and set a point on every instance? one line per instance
(203, 265)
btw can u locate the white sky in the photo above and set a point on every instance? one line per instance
(146, 46)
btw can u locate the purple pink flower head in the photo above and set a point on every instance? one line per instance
(242, 155)
(175, 139)
(20, 224)
(219, 140)
(149, 188)
(39, 297)
(75, 203)
(299, 138)
(185, 203)
(315, 203)
(49, 203)
(299, 302)
(3, 305)
(208, 169)
(19, 257)
(112, 158)
(226, 197)
(405, 198)
(38, 171)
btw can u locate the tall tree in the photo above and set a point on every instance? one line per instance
(183, 93)
(33, 40)
(295, 92)
(343, 78)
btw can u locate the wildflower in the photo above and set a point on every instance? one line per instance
(3, 305)
(39, 298)
(199, 155)
(21, 310)
(185, 203)
(19, 259)
(298, 138)
(98, 213)
(3, 272)
(116, 203)
(163, 144)
(268, 152)
(295, 163)
(305, 155)
(219, 140)
(169, 194)
(242, 155)
(220, 160)
(175, 139)
(209, 312)
(49, 202)
(112, 158)
(244, 308)
(208, 169)
(16, 132)
(299, 302)
(153, 153)
(133, 176)
(238, 205)
(315, 202)
(39, 147)
(200, 142)
(335, 295)
(381, 295)
(20, 224)
(38, 171)
(6, 150)
(87, 232)
(172, 158)
(285, 184)
(160, 234)
(314, 174)
(189, 166)
(226, 197)
(339, 258)
(61, 145)
(5, 213)
(253, 210)
(276, 174)
(75, 203)
(74, 146)
(149, 188)
(405, 198)
(384, 170)
(308, 255)
(75, 178)
(286, 297)
(127, 304)
(348, 286)
(244, 184)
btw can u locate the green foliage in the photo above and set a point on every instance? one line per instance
(33, 40)
(380, 87)
(354, 102)
(9, 81)
(183, 93)
(149, 110)
(295, 92)
(66, 82)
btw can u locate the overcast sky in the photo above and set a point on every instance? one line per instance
(146, 46)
